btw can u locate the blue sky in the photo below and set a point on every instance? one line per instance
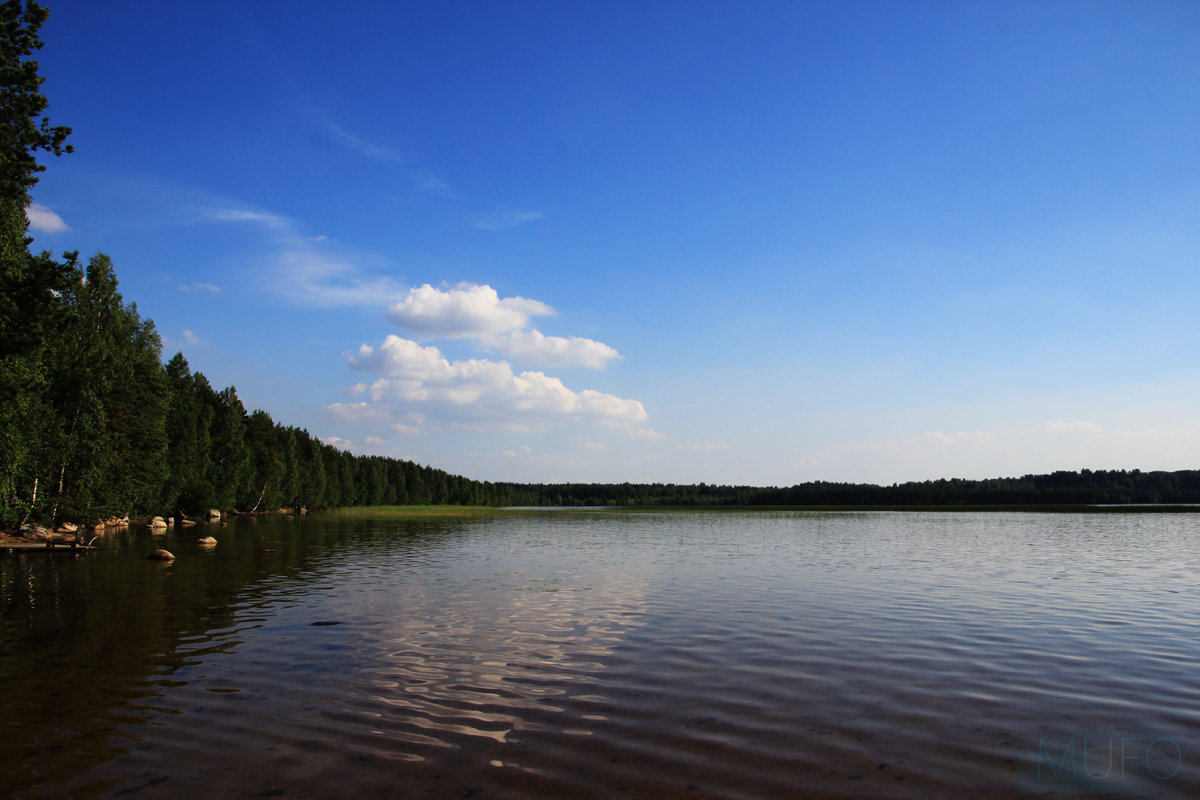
(729, 242)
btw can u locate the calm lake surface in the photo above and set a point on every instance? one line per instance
(610, 655)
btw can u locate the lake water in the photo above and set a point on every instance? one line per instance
(611, 655)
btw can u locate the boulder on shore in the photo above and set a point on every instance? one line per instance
(158, 523)
(34, 531)
(213, 514)
(161, 555)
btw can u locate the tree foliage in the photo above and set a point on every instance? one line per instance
(27, 282)
(23, 130)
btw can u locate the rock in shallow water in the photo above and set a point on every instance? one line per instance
(161, 555)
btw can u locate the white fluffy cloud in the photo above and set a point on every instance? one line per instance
(399, 357)
(534, 347)
(420, 389)
(419, 378)
(472, 311)
(44, 220)
(467, 311)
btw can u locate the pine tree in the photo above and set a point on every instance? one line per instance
(28, 284)
(266, 463)
(230, 467)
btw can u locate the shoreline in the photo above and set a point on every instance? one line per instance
(42, 534)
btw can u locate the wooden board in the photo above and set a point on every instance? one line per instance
(59, 547)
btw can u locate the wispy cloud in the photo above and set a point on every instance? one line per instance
(200, 287)
(275, 222)
(44, 220)
(313, 278)
(431, 184)
(505, 220)
(421, 180)
(302, 268)
(354, 142)
(190, 338)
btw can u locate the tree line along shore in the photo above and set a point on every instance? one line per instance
(94, 426)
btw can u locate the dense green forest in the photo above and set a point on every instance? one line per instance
(93, 424)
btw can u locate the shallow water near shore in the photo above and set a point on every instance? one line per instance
(600, 654)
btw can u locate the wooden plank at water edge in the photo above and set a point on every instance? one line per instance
(50, 547)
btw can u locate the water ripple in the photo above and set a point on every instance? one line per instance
(710, 655)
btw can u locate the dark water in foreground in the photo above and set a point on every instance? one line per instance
(756, 655)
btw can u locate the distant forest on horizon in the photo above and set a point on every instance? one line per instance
(1085, 487)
